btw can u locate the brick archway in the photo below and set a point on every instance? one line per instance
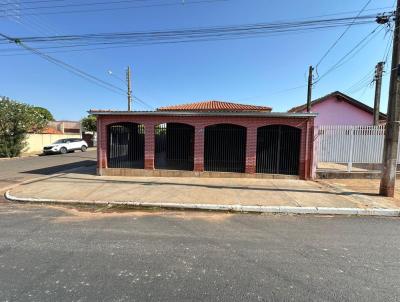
(125, 145)
(174, 146)
(278, 149)
(225, 148)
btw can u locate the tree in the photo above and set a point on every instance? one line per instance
(45, 113)
(16, 120)
(89, 123)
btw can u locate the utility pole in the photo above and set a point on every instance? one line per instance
(309, 89)
(378, 86)
(388, 180)
(129, 93)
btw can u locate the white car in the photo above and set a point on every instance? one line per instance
(66, 145)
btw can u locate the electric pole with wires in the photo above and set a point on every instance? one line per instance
(309, 88)
(390, 149)
(129, 92)
(378, 86)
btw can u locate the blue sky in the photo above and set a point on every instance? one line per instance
(253, 71)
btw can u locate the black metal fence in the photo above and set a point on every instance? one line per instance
(225, 148)
(174, 147)
(126, 146)
(278, 149)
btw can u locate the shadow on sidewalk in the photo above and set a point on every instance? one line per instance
(61, 168)
(66, 178)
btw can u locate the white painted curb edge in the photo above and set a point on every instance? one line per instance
(217, 207)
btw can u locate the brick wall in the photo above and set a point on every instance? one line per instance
(306, 125)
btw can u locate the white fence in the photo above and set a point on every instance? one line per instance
(350, 144)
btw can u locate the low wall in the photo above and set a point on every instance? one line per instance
(179, 173)
(36, 142)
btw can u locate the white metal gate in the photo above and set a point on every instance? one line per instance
(350, 144)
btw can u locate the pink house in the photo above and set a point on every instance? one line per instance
(338, 108)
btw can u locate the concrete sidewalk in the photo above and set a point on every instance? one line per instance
(206, 193)
(358, 171)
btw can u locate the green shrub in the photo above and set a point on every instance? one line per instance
(16, 120)
(89, 123)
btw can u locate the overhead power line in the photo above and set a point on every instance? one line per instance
(351, 53)
(280, 26)
(92, 10)
(21, 5)
(122, 39)
(68, 3)
(388, 48)
(343, 33)
(64, 4)
(369, 78)
(92, 4)
(366, 80)
(72, 69)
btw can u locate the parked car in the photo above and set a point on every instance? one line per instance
(66, 145)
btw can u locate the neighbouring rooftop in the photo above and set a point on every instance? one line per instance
(342, 97)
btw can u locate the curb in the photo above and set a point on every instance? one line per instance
(216, 207)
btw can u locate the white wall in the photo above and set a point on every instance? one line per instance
(36, 142)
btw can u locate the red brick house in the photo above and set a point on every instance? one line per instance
(205, 139)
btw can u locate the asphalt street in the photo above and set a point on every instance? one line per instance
(58, 254)
(63, 254)
(14, 171)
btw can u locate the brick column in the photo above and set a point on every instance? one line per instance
(98, 125)
(251, 149)
(303, 152)
(310, 150)
(314, 149)
(101, 145)
(199, 149)
(149, 146)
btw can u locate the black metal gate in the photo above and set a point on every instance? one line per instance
(225, 148)
(278, 149)
(174, 148)
(126, 146)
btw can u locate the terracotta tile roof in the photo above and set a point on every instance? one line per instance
(49, 130)
(214, 106)
(117, 110)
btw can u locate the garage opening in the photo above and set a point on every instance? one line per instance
(278, 149)
(174, 149)
(125, 145)
(225, 148)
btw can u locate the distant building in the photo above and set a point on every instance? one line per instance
(66, 127)
(338, 108)
(55, 130)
